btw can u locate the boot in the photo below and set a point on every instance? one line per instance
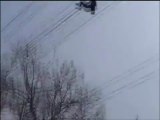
(92, 12)
(78, 6)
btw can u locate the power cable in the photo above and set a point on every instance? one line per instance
(75, 30)
(106, 7)
(130, 85)
(130, 73)
(19, 14)
(133, 69)
(127, 73)
(63, 21)
(44, 31)
(48, 33)
(66, 18)
(26, 20)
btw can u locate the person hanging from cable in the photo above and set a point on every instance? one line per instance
(87, 5)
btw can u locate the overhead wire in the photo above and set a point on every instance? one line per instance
(133, 70)
(56, 26)
(107, 6)
(45, 30)
(27, 19)
(65, 18)
(130, 85)
(130, 72)
(119, 90)
(48, 32)
(91, 18)
(52, 27)
(60, 24)
(119, 78)
(18, 15)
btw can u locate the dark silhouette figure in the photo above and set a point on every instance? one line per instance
(89, 5)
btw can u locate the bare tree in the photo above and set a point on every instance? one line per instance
(28, 63)
(40, 93)
(60, 95)
(67, 98)
(5, 81)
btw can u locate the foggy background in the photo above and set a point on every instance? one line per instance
(117, 48)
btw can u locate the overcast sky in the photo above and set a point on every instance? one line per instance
(121, 40)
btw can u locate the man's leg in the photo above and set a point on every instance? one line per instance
(85, 5)
(92, 9)
(79, 5)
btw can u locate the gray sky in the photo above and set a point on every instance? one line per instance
(114, 41)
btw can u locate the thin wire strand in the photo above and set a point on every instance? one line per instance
(130, 85)
(18, 15)
(50, 26)
(28, 19)
(51, 30)
(91, 18)
(54, 28)
(83, 24)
